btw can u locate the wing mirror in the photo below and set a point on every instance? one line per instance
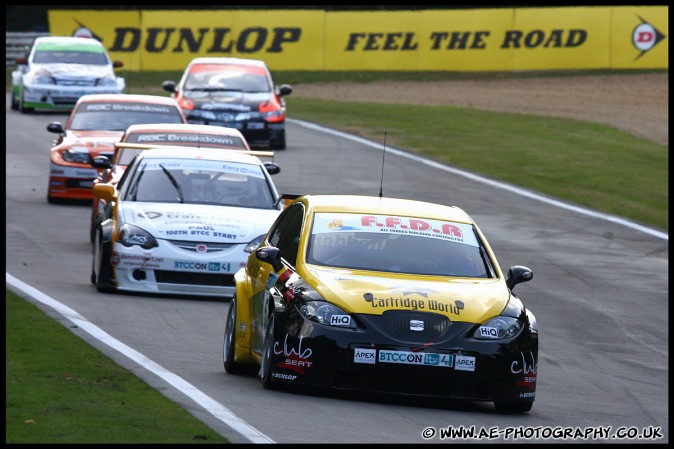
(518, 274)
(169, 86)
(270, 255)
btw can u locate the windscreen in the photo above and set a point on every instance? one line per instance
(397, 244)
(117, 116)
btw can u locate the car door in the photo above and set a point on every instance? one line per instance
(284, 235)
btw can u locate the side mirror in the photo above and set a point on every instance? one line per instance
(270, 255)
(518, 274)
(272, 168)
(105, 192)
(117, 64)
(285, 89)
(21, 61)
(55, 127)
(169, 86)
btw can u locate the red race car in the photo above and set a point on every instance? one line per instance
(94, 125)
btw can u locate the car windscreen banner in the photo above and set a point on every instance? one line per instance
(125, 107)
(331, 223)
(169, 138)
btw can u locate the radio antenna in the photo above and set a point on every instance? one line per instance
(381, 183)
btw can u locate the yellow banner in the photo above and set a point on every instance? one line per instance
(564, 38)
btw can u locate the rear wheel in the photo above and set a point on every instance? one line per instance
(268, 355)
(513, 407)
(231, 366)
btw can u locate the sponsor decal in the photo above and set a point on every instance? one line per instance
(645, 37)
(296, 358)
(340, 320)
(114, 259)
(464, 363)
(457, 232)
(525, 366)
(133, 260)
(414, 304)
(488, 332)
(284, 376)
(187, 138)
(364, 355)
(201, 266)
(415, 358)
(528, 395)
(128, 107)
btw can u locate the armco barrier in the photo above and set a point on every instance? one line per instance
(15, 43)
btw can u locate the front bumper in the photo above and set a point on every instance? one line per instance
(371, 358)
(256, 131)
(50, 96)
(175, 267)
(71, 182)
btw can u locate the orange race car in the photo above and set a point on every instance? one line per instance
(138, 137)
(95, 124)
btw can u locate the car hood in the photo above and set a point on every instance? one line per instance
(198, 223)
(73, 70)
(468, 300)
(96, 142)
(227, 101)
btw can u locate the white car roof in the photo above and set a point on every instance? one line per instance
(242, 61)
(67, 40)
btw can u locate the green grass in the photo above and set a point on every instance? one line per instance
(59, 389)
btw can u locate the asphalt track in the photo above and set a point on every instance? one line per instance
(600, 294)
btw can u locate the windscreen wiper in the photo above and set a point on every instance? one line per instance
(174, 181)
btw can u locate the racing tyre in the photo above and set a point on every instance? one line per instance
(14, 104)
(268, 355)
(513, 407)
(101, 270)
(22, 108)
(231, 366)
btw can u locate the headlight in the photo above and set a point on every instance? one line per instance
(252, 246)
(499, 328)
(41, 79)
(107, 82)
(130, 235)
(77, 154)
(326, 313)
(274, 116)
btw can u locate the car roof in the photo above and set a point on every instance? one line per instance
(363, 204)
(131, 98)
(217, 154)
(67, 40)
(184, 127)
(240, 61)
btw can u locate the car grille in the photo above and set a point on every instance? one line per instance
(192, 246)
(74, 82)
(399, 322)
(191, 278)
(64, 100)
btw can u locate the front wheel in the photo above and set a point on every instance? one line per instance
(268, 355)
(101, 269)
(231, 366)
(23, 109)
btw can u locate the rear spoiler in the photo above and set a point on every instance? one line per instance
(145, 146)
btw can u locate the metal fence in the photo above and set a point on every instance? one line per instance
(15, 43)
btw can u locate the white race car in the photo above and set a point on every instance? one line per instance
(183, 221)
(59, 70)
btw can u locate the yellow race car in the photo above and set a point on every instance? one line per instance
(386, 295)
